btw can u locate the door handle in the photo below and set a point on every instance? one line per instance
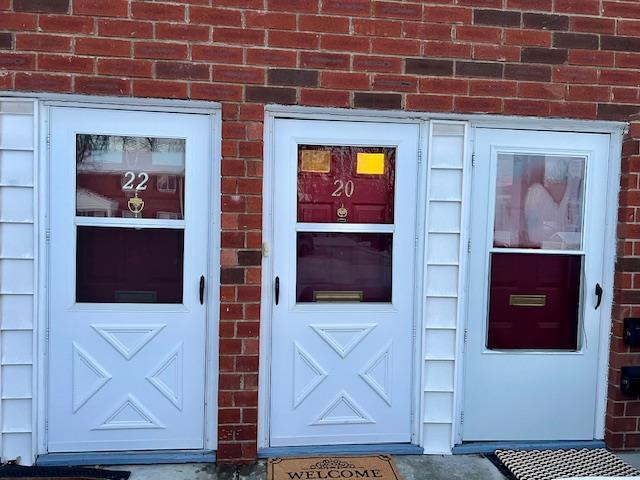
(277, 286)
(201, 289)
(598, 294)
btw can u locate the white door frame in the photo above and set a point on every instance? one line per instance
(42, 176)
(267, 297)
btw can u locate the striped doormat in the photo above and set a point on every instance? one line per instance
(557, 464)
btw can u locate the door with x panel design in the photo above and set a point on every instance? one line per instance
(128, 248)
(344, 237)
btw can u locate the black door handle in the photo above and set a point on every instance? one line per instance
(598, 294)
(201, 289)
(277, 290)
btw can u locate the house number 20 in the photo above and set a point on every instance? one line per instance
(343, 187)
(130, 177)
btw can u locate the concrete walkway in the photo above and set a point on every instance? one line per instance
(411, 467)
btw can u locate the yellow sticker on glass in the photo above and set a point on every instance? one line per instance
(317, 161)
(370, 163)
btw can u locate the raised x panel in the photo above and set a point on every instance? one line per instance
(88, 377)
(168, 375)
(343, 338)
(307, 374)
(130, 414)
(128, 339)
(377, 373)
(343, 410)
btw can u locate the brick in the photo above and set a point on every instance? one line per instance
(447, 49)
(103, 47)
(544, 55)
(621, 9)
(588, 93)
(173, 31)
(406, 11)
(267, 20)
(18, 21)
(344, 43)
(478, 69)
(442, 14)
(394, 46)
(40, 42)
(382, 101)
(574, 74)
(539, 5)
(345, 80)
(444, 85)
(235, 74)
(500, 53)
(17, 61)
(102, 86)
(125, 67)
(65, 24)
(299, 40)
(476, 34)
(332, 61)
(293, 6)
(623, 44)
(528, 37)
(285, 96)
(426, 31)
(430, 103)
(66, 63)
(620, 113)
(526, 107)
(182, 71)
(157, 11)
(215, 16)
(502, 18)
(42, 82)
(242, 36)
(595, 25)
(269, 56)
(249, 257)
(378, 28)
(216, 53)
(324, 97)
(548, 91)
(292, 77)
(41, 6)
(323, 23)
(540, 73)
(589, 57)
(101, 8)
(477, 104)
(160, 50)
(384, 64)
(492, 88)
(159, 88)
(619, 77)
(421, 66)
(576, 40)
(347, 7)
(589, 7)
(545, 21)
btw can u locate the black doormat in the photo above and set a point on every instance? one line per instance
(562, 463)
(75, 473)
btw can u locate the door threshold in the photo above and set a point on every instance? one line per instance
(310, 450)
(143, 457)
(489, 447)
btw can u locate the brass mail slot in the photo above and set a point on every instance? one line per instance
(332, 296)
(527, 300)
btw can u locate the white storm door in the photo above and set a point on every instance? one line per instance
(344, 219)
(538, 223)
(128, 248)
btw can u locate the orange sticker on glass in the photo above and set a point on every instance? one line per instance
(370, 163)
(317, 161)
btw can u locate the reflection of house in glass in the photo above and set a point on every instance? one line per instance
(110, 170)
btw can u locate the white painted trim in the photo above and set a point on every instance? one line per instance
(608, 268)
(41, 220)
(494, 121)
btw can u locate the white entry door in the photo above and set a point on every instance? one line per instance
(129, 219)
(344, 219)
(535, 279)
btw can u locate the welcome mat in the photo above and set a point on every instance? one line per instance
(557, 464)
(332, 468)
(68, 473)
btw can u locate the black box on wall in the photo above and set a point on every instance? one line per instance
(630, 380)
(631, 331)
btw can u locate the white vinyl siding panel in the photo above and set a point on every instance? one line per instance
(442, 283)
(17, 278)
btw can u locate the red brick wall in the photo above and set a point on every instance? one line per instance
(623, 411)
(563, 58)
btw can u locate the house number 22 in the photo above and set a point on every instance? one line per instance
(130, 177)
(343, 187)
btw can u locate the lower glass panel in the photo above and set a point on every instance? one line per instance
(534, 301)
(344, 267)
(128, 265)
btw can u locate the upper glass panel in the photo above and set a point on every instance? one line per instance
(132, 177)
(539, 202)
(345, 184)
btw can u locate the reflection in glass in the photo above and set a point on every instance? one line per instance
(534, 301)
(127, 265)
(539, 201)
(344, 267)
(132, 177)
(345, 184)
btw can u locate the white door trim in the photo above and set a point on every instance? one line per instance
(43, 189)
(267, 300)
